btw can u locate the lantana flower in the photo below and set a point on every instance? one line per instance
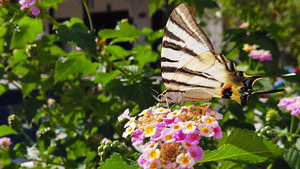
(249, 48)
(260, 54)
(31, 4)
(171, 138)
(5, 142)
(244, 25)
(292, 104)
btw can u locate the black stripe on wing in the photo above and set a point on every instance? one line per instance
(177, 19)
(164, 59)
(171, 35)
(175, 47)
(197, 73)
(167, 81)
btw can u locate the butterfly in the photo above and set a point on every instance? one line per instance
(193, 71)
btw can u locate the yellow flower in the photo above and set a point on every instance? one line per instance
(248, 48)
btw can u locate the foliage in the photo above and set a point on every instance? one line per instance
(71, 99)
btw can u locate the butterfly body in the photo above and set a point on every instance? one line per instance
(192, 70)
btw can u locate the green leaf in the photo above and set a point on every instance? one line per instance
(117, 51)
(116, 162)
(75, 63)
(80, 35)
(151, 36)
(28, 29)
(293, 156)
(31, 107)
(19, 55)
(104, 78)
(244, 145)
(144, 58)
(230, 165)
(51, 3)
(6, 130)
(125, 30)
(3, 89)
(154, 4)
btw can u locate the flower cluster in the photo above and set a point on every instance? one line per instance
(292, 104)
(5, 142)
(260, 54)
(172, 137)
(244, 25)
(34, 10)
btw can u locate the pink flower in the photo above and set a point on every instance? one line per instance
(186, 145)
(196, 152)
(124, 115)
(218, 132)
(171, 166)
(286, 101)
(5, 142)
(157, 135)
(292, 104)
(167, 135)
(261, 54)
(35, 11)
(155, 164)
(193, 138)
(179, 136)
(295, 108)
(138, 137)
(244, 25)
(142, 162)
(26, 3)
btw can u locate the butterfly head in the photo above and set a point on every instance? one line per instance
(242, 92)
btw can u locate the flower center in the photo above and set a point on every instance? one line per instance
(153, 154)
(189, 126)
(153, 165)
(205, 130)
(169, 137)
(184, 160)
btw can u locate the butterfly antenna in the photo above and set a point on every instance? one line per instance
(283, 75)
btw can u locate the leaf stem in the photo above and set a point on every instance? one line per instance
(88, 14)
(292, 125)
(28, 138)
(50, 19)
(298, 129)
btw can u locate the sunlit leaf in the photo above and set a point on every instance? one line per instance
(80, 35)
(104, 78)
(6, 130)
(116, 162)
(27, 31)
(124, 30)
(245, 145)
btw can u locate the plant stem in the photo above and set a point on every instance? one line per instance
(298, 129)
(88, 14)
(292, 125)
(51, 20)
(28, 138)
(257, 67)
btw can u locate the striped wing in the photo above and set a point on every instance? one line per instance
(184, 70)
(182, 41)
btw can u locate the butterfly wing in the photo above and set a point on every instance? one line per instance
(183, 40)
